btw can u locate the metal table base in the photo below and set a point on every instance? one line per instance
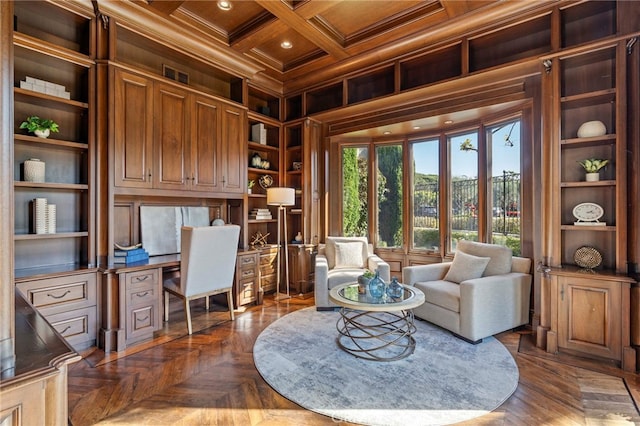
(376, 336)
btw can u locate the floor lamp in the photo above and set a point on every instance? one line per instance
(282, 197)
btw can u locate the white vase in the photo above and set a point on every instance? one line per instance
(34, 170)
(42, 133)
(592, 177)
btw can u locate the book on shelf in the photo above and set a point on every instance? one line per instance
(259, 134)
(121, 253)
(131, 258)
(260, 217)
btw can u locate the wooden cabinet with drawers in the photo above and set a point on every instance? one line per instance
(247, 278)
(69, 303)
(268, 268)
(140, 303)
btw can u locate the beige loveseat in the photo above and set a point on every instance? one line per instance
(483, 291)
(342, 260)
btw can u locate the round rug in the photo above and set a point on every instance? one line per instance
(445, 380)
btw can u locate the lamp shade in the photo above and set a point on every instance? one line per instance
(281, 196)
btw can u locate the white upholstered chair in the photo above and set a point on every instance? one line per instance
(342, 260)
(484, 291)
(207, 266)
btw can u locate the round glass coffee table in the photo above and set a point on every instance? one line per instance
(376, 329)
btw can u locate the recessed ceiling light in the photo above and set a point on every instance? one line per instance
(416, 127)
(224, 4)
(448, 122)
(386, 132)
(286, 44)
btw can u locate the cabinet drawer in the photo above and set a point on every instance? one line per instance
(141, 280)
(78, 327)
(268, 282)
(52, 296)
(247, 274)
(247, 291)
(247, 261)
(143, 296)
(142, 322)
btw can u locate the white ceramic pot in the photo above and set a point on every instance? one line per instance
(42, 133)
(592, 177)
(34, 170)
(591, 129)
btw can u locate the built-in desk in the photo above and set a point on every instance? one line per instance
(132, 296)
(34, 392)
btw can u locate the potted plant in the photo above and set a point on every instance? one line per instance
(363, 281)
(40, 126)
(592, 166)
(250, 185)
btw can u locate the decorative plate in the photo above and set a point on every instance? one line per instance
(265, 181)
(587, 257)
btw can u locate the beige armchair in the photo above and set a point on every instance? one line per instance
(484, 291)
(342, 260)
(207, 265)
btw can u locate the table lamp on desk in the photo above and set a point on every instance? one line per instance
(282, 197)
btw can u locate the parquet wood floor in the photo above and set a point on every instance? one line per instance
(209, 379)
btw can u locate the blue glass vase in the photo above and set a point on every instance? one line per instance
(376, 286)
(394, 289)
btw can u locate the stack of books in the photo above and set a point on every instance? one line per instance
(260, 214)
(130, 256)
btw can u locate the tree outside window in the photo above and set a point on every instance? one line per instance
(355, 182)
(389, 194)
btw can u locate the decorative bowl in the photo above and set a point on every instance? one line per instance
(587, 257)
(591, 129)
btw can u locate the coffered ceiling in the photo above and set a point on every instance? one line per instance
(324, 35)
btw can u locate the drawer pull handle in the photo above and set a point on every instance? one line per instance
(142, 294)
(142, 319)
(247, 273)
(143, 278)
(65, 330)
(59, 297)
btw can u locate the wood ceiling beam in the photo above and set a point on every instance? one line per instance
(266, 32)
(304, 28)
(166, 7)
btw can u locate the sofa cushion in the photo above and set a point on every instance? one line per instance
(330, 248)
(349, 255)
(500, 262)
(466, 267)
(445, 294)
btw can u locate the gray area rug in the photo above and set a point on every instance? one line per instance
(444, 381)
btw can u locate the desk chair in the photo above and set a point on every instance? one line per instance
(207, 265)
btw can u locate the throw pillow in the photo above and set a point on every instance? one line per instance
(466, 267)
(330, 248)
(349, 255)
(500, 256)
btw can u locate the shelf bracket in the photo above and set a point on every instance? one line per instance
(545, 269)
(630, 43)
(547, 65)
(101, 16)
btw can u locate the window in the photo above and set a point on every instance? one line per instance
(389, 195)
(426, 194)
(355, 182)
(463, 187)
(504, 142)
(477, 168)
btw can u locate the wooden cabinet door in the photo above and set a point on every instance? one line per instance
(590, 316)
(205, 129)
(171, 136)
(232, 150)
(132, 130)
